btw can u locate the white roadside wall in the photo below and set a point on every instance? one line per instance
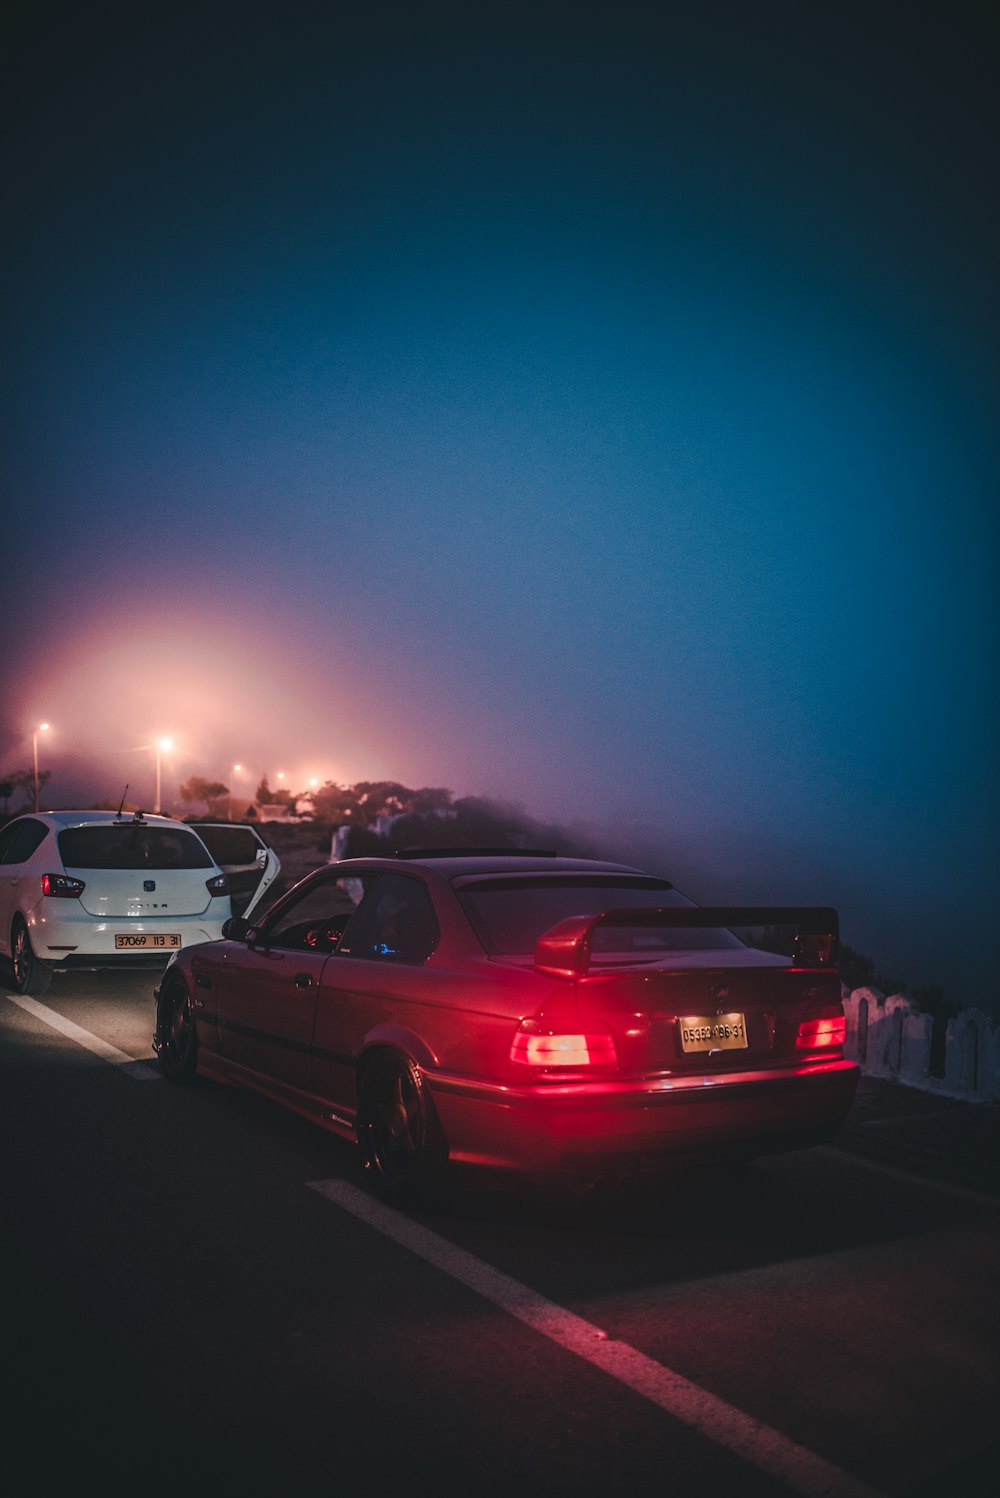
(891, 1037)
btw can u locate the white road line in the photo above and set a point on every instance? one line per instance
(137, 1070)
(799, 1469)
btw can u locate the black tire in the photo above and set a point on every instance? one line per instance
(402, 1144)
(30, 975)
(177, 1038)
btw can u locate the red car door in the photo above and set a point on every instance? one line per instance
(267, 1007)
(267, 1013)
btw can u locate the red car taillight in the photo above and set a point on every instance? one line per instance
(535, 1047)
(822, 1032)
(62, 886)
(218, 886)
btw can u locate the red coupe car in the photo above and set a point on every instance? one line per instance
(518, 1010)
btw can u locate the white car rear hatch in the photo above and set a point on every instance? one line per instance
(136, 870)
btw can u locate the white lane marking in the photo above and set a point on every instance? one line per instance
(800, 1469)
(137, 1070)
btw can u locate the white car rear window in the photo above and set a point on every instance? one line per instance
(132, 847)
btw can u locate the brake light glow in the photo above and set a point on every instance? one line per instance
(62, 886)
(534, 1048)
(822, 1033)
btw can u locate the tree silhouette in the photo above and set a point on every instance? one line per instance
(264, 796)
(199, 789)
(22, 780)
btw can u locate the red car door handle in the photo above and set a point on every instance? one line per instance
(303, 980)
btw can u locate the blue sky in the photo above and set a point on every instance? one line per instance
(592, 407)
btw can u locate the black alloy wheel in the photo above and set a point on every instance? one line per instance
(402, 1145)
(177, 1038)
(30, 975)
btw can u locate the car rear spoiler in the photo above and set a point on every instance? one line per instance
(565, 948)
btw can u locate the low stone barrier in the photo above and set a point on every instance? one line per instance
(890, 1036)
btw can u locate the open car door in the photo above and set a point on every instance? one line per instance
(244, 857)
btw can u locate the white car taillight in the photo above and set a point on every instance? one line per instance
(62, 886)
(218, 886)
(534, 1047)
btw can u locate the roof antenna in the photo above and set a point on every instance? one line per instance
(122, 802)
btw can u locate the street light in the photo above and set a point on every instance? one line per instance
(34, 749)
(234, 770)
(160, 746)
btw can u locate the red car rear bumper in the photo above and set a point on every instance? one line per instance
(647, 1124)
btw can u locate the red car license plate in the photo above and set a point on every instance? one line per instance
(713, 1032)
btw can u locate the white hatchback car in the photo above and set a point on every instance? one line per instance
(92, 889)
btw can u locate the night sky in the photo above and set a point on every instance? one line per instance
(591, 407)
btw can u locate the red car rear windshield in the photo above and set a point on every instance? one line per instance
(509, 915)
(131, 847)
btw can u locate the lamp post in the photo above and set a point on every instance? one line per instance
(234, 770)
(160, 746)
(34, 750)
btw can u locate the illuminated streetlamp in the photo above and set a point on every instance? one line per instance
(160, 746)
(234, 770)
(34, 750)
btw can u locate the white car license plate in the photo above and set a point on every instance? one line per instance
(713, 1032)
(146, 941)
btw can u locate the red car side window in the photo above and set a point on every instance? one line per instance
(394, 923)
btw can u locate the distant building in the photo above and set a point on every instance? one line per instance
(277, 812)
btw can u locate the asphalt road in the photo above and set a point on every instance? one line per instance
(200, 1296)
